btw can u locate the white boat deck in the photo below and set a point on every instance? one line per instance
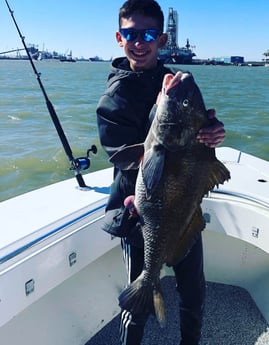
(50, 210)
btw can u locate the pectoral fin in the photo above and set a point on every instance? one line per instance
(218, 175)
(152, 168)
(129, 157)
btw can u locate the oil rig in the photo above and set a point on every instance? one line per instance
(171, 53)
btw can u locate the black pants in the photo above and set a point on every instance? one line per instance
(190, 285)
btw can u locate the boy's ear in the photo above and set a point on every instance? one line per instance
(119, 39)
(162, 40)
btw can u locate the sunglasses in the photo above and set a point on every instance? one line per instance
(148, 35)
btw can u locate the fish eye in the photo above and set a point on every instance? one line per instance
(185, 103)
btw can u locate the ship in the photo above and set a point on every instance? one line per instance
(68, 58)
(171, 53)
(99, 59)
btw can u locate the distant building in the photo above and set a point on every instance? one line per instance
(233, 60)
(237, 59)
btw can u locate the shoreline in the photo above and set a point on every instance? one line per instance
(202, 62)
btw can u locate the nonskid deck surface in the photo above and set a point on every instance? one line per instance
(231, 318)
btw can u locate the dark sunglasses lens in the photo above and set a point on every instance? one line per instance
(129, 35)
(147, 35)
(150, 35)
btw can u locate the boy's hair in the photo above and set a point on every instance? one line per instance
(147, 8)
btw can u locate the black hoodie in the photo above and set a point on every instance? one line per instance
(123, 118)
(123, 110)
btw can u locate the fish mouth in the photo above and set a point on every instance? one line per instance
(170, 81)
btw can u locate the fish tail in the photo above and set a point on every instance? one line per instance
(139, 298)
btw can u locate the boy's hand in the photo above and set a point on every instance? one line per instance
(213, 135)
(129, 204)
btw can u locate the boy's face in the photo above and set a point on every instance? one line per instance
(142, 55)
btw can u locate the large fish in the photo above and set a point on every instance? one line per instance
(175, 172)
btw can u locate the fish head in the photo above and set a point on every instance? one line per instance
(181, 112)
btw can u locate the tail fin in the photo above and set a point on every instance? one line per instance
(143, 299)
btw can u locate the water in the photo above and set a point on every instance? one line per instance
(32, 155)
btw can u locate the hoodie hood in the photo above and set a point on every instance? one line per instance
(120, 69)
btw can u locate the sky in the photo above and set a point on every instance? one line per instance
(87, 27)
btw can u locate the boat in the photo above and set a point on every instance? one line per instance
(95, 59)
(60, 274)
(98, 59)
(180, 56)
(67, 58)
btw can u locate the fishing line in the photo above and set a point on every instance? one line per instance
(77, 164)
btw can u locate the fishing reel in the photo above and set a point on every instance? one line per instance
(83, 163)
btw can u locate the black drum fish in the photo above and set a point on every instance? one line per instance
(175, 172)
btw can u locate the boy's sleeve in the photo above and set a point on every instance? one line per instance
(117, 124)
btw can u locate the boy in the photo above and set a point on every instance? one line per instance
(123, 116)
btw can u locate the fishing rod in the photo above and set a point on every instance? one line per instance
(77, 164)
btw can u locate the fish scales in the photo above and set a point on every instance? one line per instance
(174, 174)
